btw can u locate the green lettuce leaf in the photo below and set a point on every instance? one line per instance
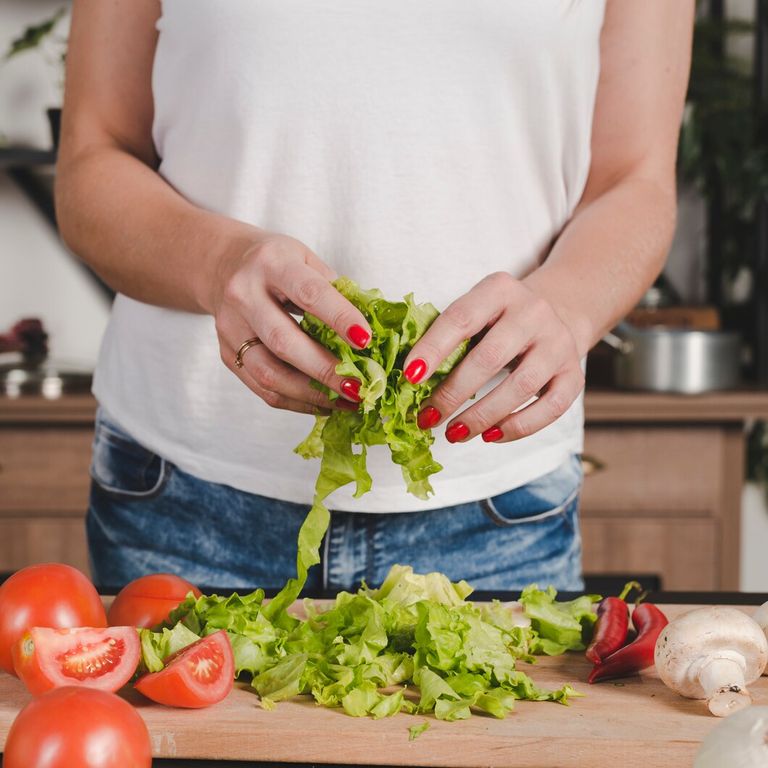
(387, 415)
(561, 626)
(156, 647)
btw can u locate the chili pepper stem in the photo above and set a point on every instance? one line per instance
(724, 686)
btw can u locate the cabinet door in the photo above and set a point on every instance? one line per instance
(44, 470)
(682, 552)
(42, 540)
(44, 485)
(669, 470)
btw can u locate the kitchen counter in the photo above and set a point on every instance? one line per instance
(667, 469)
(636, 723)
(601, 405)
(613, 405)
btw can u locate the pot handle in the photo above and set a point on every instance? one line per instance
(623, 346)
(620, 337)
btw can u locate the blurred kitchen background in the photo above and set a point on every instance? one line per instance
(676, 490)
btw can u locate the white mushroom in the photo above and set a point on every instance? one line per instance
(713, 654)
(739, 741)
(761, 617)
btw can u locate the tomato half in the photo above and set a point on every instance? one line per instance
(80, 727)
(47, 595)
(95, 658)
(196, 676)
(147, 601)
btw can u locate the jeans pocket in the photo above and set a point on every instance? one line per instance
(547, 497)
(121, 467)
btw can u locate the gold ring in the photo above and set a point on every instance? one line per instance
(244, 347)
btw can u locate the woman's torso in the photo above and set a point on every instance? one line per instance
(413, 146)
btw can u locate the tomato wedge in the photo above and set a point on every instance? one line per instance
(196, 676)
(95, 658)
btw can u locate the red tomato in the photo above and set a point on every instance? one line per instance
(196, 676)
(48, 595)
(81, 727)
(147, 601)
(95, 658)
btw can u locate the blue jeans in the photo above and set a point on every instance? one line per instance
(146, 515)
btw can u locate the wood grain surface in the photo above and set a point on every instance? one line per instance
(634, 723)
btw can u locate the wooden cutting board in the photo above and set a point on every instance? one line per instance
(634, 723)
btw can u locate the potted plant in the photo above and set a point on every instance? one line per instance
(44, 36)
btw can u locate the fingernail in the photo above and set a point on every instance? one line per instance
(428, 417)
(351, 389)
(456, 432)
(492, 434)
(358, 336)
(415, 370)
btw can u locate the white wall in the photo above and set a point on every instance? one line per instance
(38, 277)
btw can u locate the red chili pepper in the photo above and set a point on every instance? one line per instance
(612, 625)
(648, 621)
(610, 629)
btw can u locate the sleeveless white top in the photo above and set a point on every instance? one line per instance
(414, 145)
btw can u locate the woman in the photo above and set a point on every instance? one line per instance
(513, 163)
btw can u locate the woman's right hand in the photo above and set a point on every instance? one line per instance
(254, 297)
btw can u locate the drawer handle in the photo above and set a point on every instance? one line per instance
(590, 465)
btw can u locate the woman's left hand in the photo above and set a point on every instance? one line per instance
(521, 329)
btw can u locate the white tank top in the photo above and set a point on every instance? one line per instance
(414, 145)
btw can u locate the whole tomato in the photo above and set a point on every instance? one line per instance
(147, 601)
(78, 728)
(47, 595)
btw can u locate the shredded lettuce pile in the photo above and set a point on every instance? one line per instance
(415, 644)
(366, 650)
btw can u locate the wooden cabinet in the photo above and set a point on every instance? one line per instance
(44, 457)
(665, 496)
(665, 500)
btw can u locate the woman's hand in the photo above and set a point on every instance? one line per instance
(521, 329)
(252, 299)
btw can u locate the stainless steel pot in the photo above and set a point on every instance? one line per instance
(674, 360)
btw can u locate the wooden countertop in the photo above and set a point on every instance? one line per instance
(635, 723)
(601, 406)
(611, 405)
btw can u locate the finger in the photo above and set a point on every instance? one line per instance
(558, 396)
(281, 335)
(322, 406)
(536, 368)
(271, 398)
(315, 262)
(465, 317)
(304, 287)
(499, 345)
(273, 375)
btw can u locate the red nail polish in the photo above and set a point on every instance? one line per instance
(492, 434)
(428, 417)
(358, 336)
(456, 432)
(351, 388)
(415, 370)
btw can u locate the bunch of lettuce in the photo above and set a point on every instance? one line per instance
(367, 649)
(387, 414)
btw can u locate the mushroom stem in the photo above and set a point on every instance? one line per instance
(723, 682)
